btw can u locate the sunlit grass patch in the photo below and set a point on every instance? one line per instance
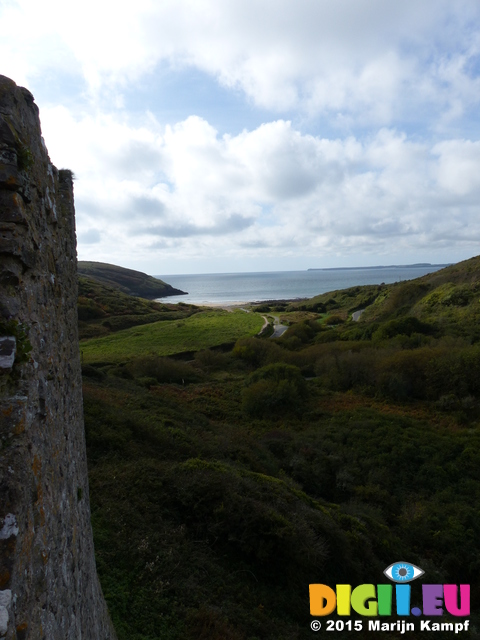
(197, 332)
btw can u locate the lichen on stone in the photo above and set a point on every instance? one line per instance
(9, 527)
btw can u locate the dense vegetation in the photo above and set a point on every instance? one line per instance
(224, 483)
(103, 309)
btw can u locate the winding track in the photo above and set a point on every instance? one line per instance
(356, 315)
(278, 329)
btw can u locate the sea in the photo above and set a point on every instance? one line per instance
(222, 289)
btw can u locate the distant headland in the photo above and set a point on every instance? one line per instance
(388, 266)
(135, 283)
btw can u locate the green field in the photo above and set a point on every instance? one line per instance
(201, 331)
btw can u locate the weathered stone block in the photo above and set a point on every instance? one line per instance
(7, 136)
(8, 156)
(9, 177)
(10, 272)
(12, 207)
(8, 348)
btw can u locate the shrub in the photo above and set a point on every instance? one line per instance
(91, 330)
(356, 369)
(257, 352)
(460, 297)
(211, 360)
(162, 370)
(335, 319)
(403, 296)
(455, 371)
(125, 321)
(209, 624)
(89, 309)
(332, 304)
(276, 386)
(342, 366)
(360, 332)
(327, 336)
(278, 372)
(92, 372)
(304, 332)
(405, 374)
(403, 326)
(448, 402)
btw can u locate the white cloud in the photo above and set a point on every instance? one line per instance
(398, 81)
(369, 60)
(458, 167)
(191, 191)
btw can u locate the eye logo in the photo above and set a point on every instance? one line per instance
(403, 572)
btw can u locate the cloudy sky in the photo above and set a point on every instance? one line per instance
(259, 135)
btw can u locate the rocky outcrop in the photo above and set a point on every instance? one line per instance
(48, 583)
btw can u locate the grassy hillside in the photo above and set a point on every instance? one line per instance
(222, 486)
(200, 331)
(449, 298)
(132, 282)
(103, 309)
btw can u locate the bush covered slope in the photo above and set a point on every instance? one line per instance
(103, 309)
(224, 485)
(450, 298)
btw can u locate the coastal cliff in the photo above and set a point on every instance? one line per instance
(48, 582)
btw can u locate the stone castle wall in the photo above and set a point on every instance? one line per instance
(48, 583)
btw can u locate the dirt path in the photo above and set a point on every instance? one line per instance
(265, 324)
(356, 315)
(278, 329)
